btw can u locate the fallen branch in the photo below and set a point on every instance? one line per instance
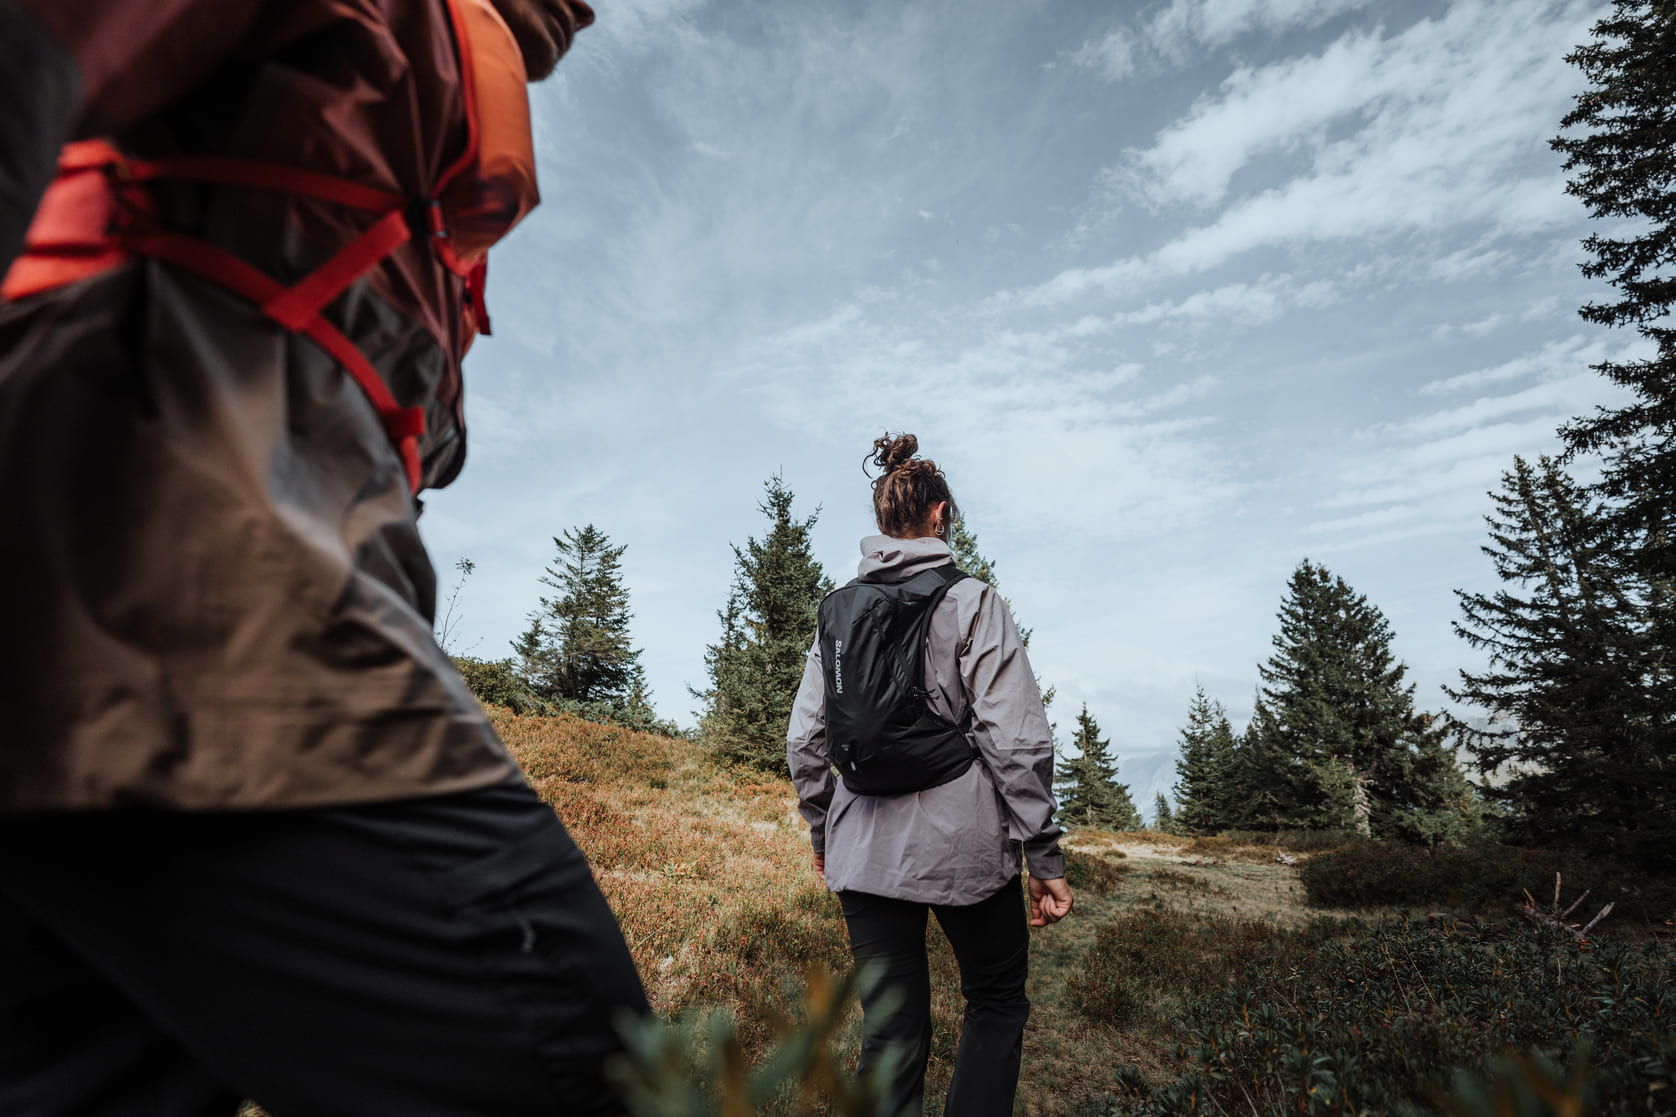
(1550, 919)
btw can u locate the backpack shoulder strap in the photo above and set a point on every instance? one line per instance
(950, 574)
(945, 577)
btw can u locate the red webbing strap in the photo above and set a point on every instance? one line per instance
(295, 307)
(402, 424)
(278, 177)
(476, 282)
(84, 238)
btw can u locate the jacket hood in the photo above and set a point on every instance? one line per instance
(887, 559)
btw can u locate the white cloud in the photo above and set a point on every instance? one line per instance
(1555, 360)
(1438, 127)
(1215, 23)
(1112, 56)
(1256, 110)
(1033, 408)
(1171, 33)
(1429, 472)
(1236, 304)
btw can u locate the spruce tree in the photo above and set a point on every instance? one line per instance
(531, 652)
(968, 558)
(964, 543)
(1622, 161)
(1576, 677)
(1336, 742)
(1163, 819)
(577, 648)
(1089, 794)
(768, 626)
(1206, 792)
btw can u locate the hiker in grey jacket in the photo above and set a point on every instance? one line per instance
(953, 849)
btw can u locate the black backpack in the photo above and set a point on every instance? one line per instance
(881, 735)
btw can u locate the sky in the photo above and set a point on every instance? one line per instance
(1177, 294)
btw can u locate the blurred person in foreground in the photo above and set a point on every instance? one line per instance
(924, 766)
(257, 839)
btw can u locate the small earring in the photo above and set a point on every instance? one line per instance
(939, 529)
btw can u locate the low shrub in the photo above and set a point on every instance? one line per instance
(1375, 1020)
(1092, 873)
(1141, 954)
(1261, 847)
(1486, 879)
(1296, 841)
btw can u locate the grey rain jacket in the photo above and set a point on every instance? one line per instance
(958, 842)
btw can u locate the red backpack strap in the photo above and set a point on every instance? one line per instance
(403, 425)
(96, 215)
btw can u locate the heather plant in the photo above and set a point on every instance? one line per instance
(1086, 873)
(1342, 1019)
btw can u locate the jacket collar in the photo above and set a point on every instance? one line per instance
(886, 559)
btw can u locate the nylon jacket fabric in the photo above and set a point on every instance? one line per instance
(213, 588)
(960, 841)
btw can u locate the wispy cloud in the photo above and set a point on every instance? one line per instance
(1429, 472)
(1439, 126)
(1170, 34)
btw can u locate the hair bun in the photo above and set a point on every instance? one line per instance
(891, 454)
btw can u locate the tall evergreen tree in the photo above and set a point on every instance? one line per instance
(578, 647)
(1089, 794)
(768, 626)
(1622, 160)
(1575, 676)
(1621, 154)
(1335, 741)
(1205, 790)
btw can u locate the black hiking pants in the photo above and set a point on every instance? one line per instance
(991, 942)
(446, 956)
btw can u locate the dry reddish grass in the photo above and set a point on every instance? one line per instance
(708, 871)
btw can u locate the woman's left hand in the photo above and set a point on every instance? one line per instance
(1050, 901)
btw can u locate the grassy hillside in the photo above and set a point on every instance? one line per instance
(1141, 990)
(708, 871)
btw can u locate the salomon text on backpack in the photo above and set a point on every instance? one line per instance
(881, 734)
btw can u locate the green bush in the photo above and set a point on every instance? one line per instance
(1331, 1020)
(496, 682)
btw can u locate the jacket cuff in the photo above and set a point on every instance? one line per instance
(1047, 864)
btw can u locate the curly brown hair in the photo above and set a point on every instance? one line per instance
(907, 487)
